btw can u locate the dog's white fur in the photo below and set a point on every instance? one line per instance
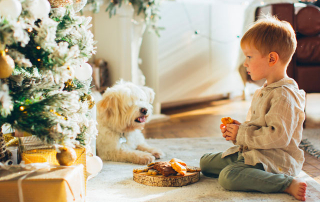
(117, 116)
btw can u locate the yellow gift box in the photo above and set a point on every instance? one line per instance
(49, 155)
(59, 183)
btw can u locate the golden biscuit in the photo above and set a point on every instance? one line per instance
(193, 169)
(139, 170)
(177, 160)
(153, 172)
(179, 168)
(226, 120)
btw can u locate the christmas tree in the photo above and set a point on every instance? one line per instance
(45, 80)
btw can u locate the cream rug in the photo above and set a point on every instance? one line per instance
(311, 134)
(115, 183)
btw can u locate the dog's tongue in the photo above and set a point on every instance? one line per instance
(142, 119)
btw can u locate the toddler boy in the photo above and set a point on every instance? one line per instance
(266, 154)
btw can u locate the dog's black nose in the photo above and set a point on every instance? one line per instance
(144, 111)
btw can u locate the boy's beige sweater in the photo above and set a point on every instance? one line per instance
(273, 130)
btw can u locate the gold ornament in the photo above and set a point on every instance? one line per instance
(10, 140)
(67, 156)
(6, 65)
(69, 84)
(60, 3)
(89, 100)
(91, 104)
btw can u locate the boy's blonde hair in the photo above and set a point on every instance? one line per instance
(269, 34)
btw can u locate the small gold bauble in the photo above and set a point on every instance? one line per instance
(91, 104)
(67, 156)
(90, 101)
(6, 65)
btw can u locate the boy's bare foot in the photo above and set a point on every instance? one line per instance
(297, 188)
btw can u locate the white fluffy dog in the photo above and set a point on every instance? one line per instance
(121, 115)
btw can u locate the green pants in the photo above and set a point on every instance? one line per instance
(236, 176)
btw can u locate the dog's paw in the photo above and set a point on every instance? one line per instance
(145, 159)
(158, 154)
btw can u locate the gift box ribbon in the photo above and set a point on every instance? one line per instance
(31, 168)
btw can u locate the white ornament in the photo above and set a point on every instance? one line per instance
(41, 9)
(78, 5)
(94, 164)
(83, 72)
(11, 8)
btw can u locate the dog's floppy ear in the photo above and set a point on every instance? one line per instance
(150, 93)
(107, 102)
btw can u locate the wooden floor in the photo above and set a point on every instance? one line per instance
(203, 120)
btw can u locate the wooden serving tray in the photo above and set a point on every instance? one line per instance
(170, 181)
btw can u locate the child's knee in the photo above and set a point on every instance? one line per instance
(227, 178)
(204, 162)
(208, 162)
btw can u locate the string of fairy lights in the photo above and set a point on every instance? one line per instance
(197, 32)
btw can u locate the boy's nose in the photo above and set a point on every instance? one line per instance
(245, 64)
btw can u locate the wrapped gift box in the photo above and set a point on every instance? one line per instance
(32, 150)
(15, 154)
(46, 153)
(53, 184)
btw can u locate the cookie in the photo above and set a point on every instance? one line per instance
(226, 120)
(179, 168)
(193, 169)
(140, 170)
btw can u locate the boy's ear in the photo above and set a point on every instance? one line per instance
(273, 58)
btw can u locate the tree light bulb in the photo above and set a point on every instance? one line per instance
(21, 108)
(38, 47)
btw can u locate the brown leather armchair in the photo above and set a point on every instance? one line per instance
(305, 19)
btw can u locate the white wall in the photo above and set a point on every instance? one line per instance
(195, 67)
(181, 67)
(113, 36)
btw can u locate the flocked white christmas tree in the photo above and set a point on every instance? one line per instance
(45, 80)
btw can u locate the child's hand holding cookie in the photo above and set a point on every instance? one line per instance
(229, 128)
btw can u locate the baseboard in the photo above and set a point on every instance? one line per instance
(194, 101)
(158, 118)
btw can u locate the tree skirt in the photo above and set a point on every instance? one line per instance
(115, 181)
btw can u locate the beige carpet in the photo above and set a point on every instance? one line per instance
(312, 110)
(311, 134)
(114, 182)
